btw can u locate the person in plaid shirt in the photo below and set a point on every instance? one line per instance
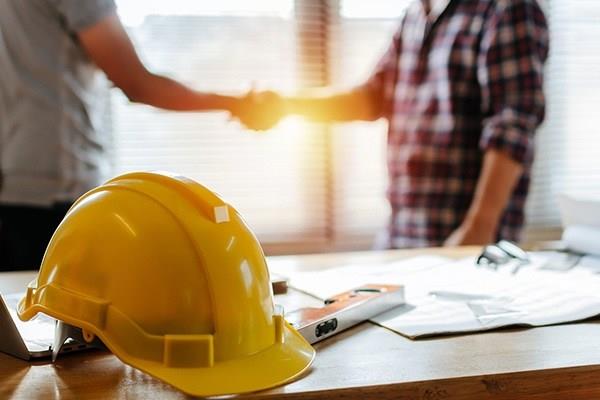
(461, 87)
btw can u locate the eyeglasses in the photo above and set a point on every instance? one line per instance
(502, 253)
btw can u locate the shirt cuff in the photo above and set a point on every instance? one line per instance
(510, 133)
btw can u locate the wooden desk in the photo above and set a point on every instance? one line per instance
(558, 362)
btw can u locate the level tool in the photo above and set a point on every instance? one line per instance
(345, 310)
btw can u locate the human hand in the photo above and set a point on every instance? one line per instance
(471, 233)
(259, 111)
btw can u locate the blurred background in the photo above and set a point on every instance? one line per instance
(309, 188)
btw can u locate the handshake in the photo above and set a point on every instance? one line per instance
(259, 111)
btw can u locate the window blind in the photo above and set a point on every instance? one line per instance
(277, 179)
(363, 33)
(341, 40)
(568, 144)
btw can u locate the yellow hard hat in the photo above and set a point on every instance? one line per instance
(173, 282)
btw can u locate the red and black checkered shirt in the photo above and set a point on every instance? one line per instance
(454, 85)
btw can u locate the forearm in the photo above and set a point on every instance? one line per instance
(106, 38)
(497, 180)
(321, 105)
(162, 92)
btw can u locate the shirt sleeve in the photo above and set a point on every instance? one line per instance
(510, 65)
(382, 81)
(81, 14)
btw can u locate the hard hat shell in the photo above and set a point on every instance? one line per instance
(173, 282)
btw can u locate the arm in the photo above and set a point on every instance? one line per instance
(368, 102)
(109, 46)
(497, 180)
(362, 103)
(262, 111)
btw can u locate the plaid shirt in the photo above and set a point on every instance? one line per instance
(454, 85)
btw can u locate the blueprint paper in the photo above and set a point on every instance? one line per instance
(445, 296)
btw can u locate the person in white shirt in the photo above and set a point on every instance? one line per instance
(55, 56)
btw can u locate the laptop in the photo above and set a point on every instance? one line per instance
(29, 340)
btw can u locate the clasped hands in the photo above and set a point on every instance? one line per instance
(259, 111)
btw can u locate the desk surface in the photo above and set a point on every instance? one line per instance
(368, 361)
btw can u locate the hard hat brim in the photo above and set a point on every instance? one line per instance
(278, 364)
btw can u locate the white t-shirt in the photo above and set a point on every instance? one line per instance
(54, 103)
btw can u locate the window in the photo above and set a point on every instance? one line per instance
(308, 187)
(292, 184)
(274, 179)
(359, 164)
(568, 144)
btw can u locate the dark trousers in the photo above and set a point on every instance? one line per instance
(25, 232)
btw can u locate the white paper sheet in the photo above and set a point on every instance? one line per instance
(443, 296)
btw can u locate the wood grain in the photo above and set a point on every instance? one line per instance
(366, 362)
